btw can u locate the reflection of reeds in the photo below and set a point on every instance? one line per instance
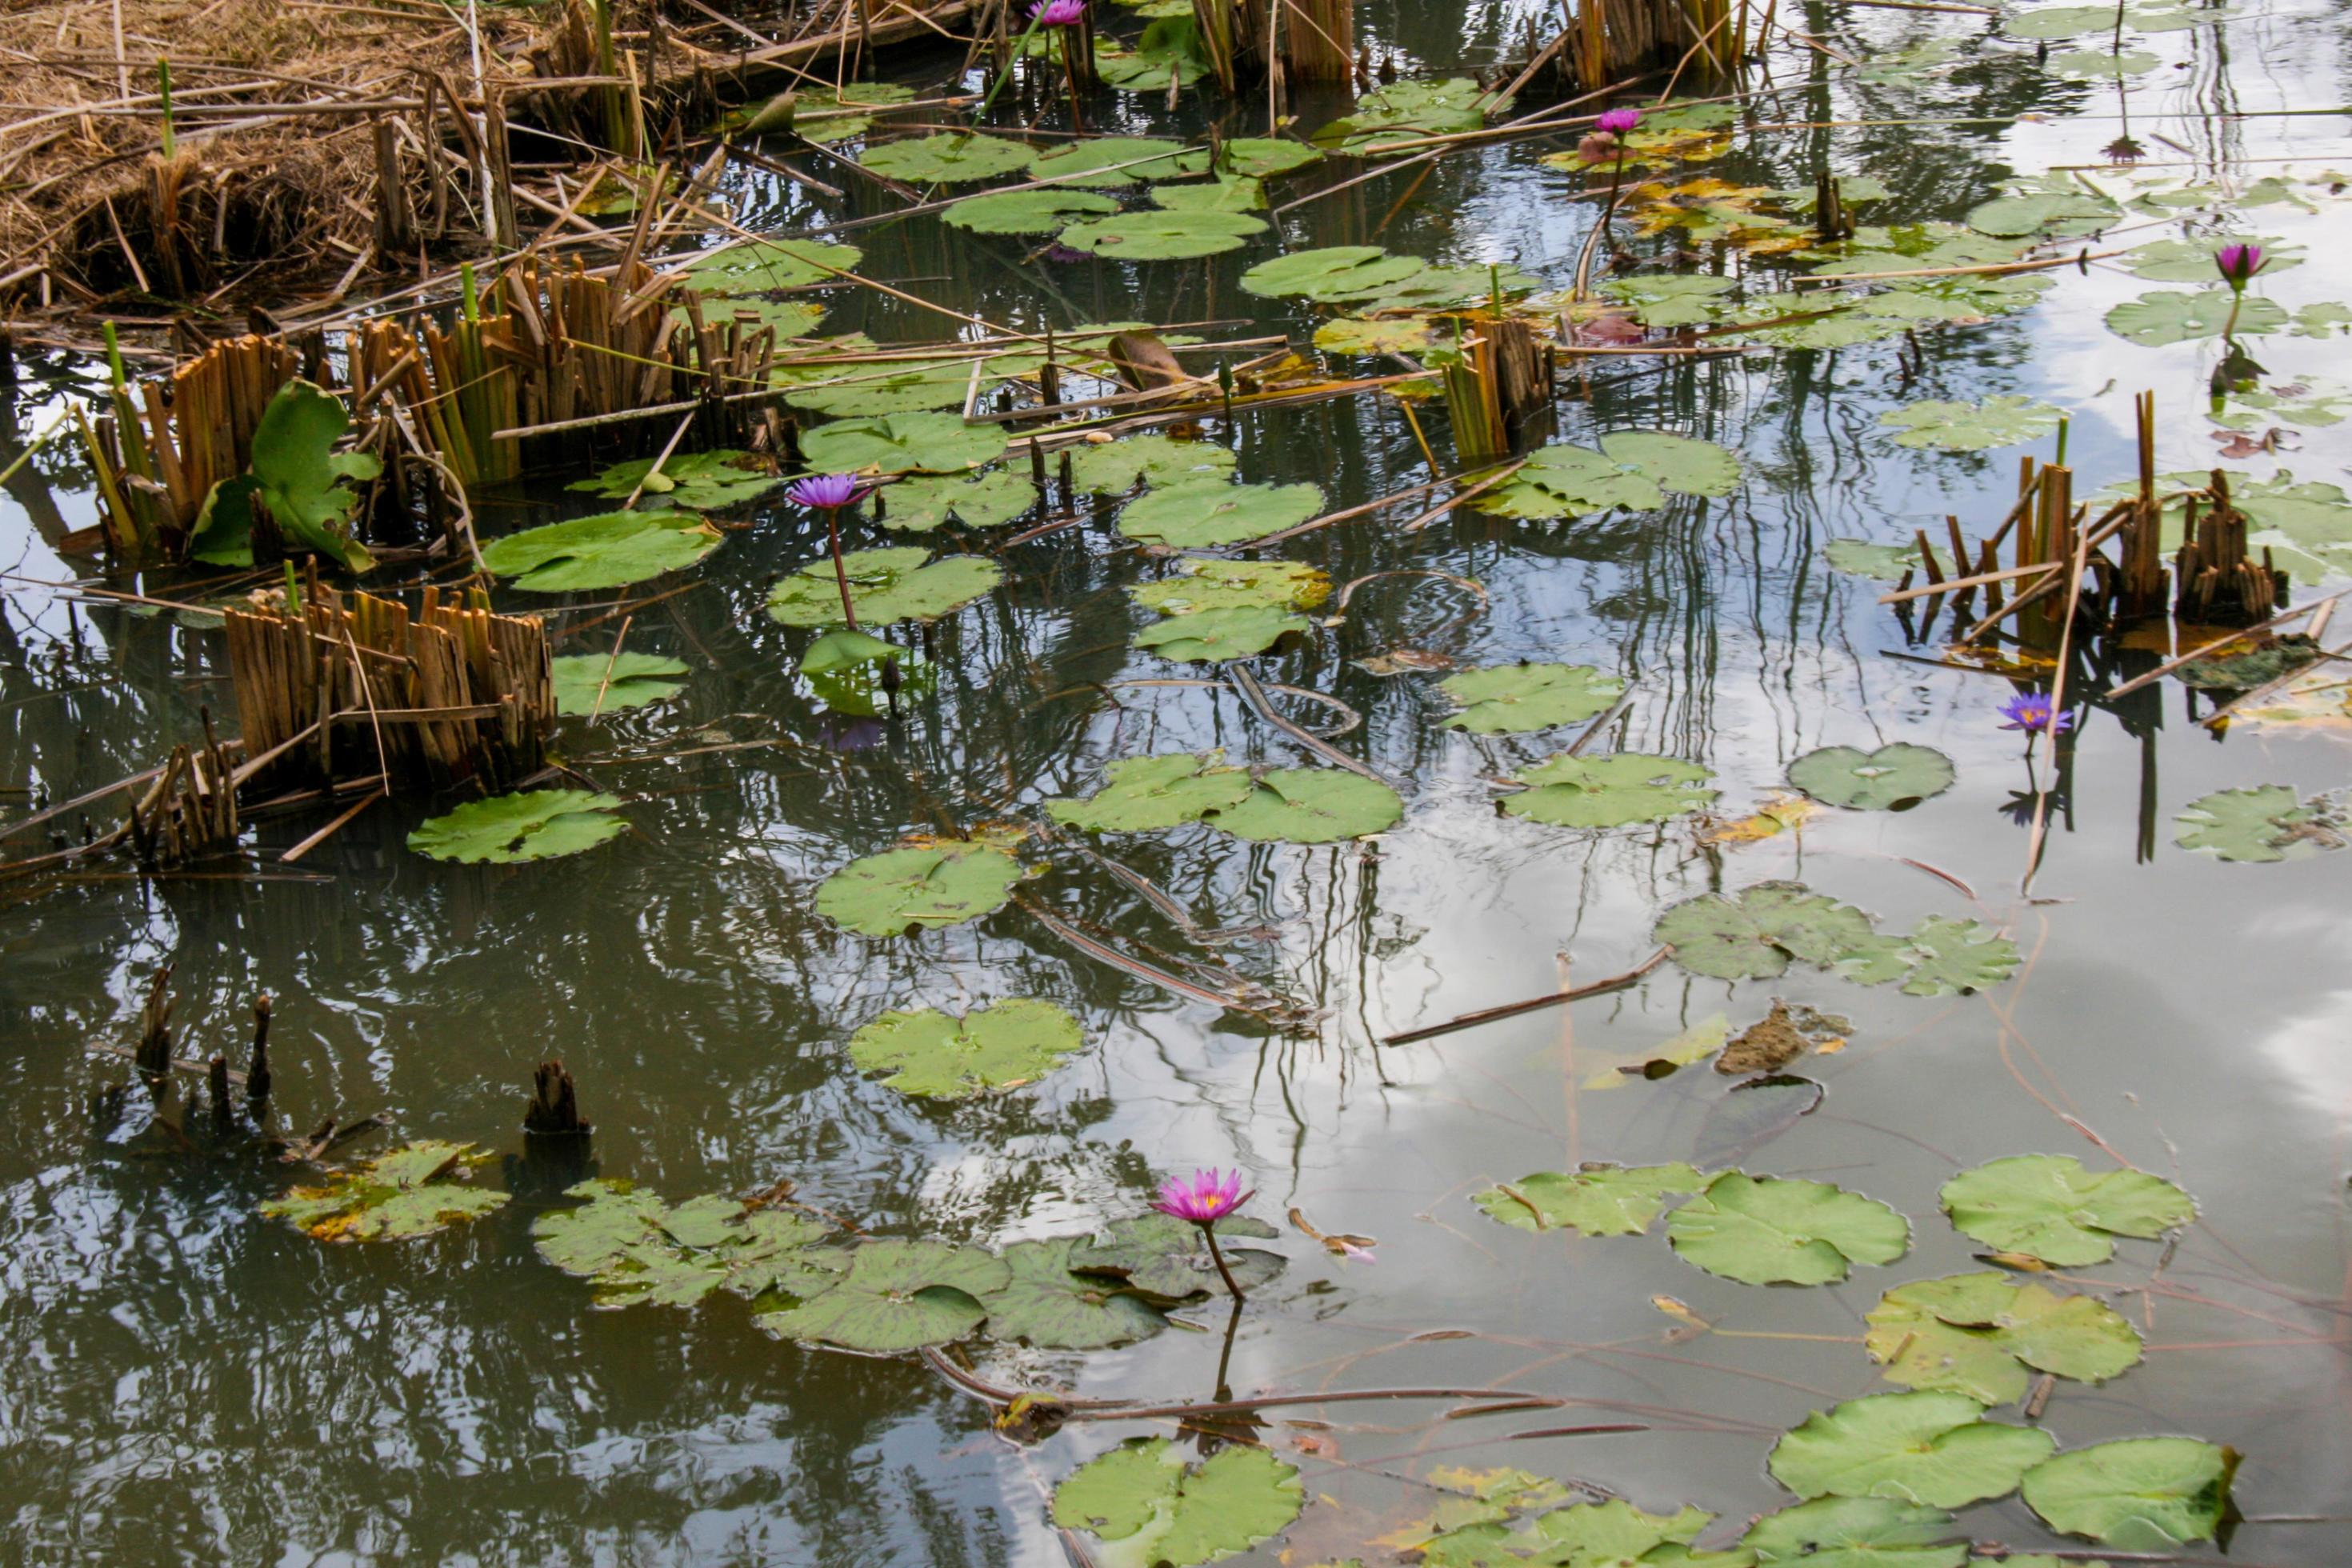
(1613, 41)
(1321, 36)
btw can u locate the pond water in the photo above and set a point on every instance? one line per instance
(190, 1381)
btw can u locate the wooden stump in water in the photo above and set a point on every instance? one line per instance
(554, 1108)
(2220, 585)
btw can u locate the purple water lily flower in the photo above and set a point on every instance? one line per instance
(1209, 1197)
(2031, 711)
(1058, 13)
(826, 491)
(1617, 122)
(2238, 263)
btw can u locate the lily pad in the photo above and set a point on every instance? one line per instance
(1599, 1200)
(534, 825)
(891, 584)
(1769, 1231)
(2002, 421)
(1237, 632)
(589, 683)
(902, 444)
(1354, 335)
(1634, 469)
(1160, 235)
(1026, 212)
(2058, 22)
(1312, 805)
(1206, 583)
(2168, 316)
(610, 550)
(1950, 957)
(983, 500)
(413, 1191)
(1201, 514)
(2048, 1207)
(1113, 467)
(2191, 260)
(1892, 778)
(1610, 792)
(1518, 699)
(1330, 273)
(2091, 65)
(298, 483)
(2013, 218)
(950, 158)
(1151, 1511)
(1753, 934)
(940, 1055)
(699, 481)
(1052, 1309)
(841, 649)
(2261, 823)
(1978, 1334)
(924, 886)
(1227, 193)
(1886, 562)
(1929, 1448)
(633, 1249)
(2140, 1494)
(1096, 162)
(1141, 793)
(1672, 298)
(1163, 1257)
(1405, 110)
(1857, 1533)
(1262, 156)
(763, 266)
(1611, 1534)
(821, 114)
(898, 1296)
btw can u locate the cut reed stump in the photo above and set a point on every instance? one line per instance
(189, 812)
(2219, 583)
(455, 695)
(554, 1108)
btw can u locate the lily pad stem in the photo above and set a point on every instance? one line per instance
(1209, 1234)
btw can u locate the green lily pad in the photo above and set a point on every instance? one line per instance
(1202, 513)
(1351, 335)
(534, 825)
(898, 1296)
(1405, 110)
(1610, 792)
(1226, 193)
(902, 444)
(2261, 823)
(635, 1249)
(985, 500)
(1260, 157)
(1439, 288)
(1672, 298)
(1599, 1200)
(1094, 163)
(821, 114)
(2058, 22)
(894, 387)
(413, 1191)
(1206, 583)
(2166, 316)
(1163, 1257)
(2048, 1207)
(610, 550)
(1331, 273)
(790, 318)
(1634, 469)
(1885, 563)
(1950, 957)
(1053, 1308)
(1892, 778)
(2088, 64)
(1163, 235)
(699, 481)
(1934, 1449)
(589, 683)
(1151, 1511)
(2311, 401)
(940, 1055)
(2140, 1494)
(889, 584)
(1026, 212)
(2002, 421)
(1857, 1533)
(2012, 217)
(1753, 934)
(763, 266)
(1238, 632)
(841, 650)
(1312, 805)
(1113, 467)
(1978, 1334)
(926, 886)
(950, 158)
(1769, 1231)
(1611, 1534)
(1141, 793)
(1518, 699)
(1175, 55)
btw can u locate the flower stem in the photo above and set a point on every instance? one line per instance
(998, 86)
(2230, 328)
(1209, 1234)
(840, 572)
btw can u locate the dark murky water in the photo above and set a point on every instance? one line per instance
(188, 1382)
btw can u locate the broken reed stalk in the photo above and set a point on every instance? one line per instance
(1322, 39)
(190, 811)
(2218, 582)
(1513, 1009)
(1496, 383)
(554, 1108)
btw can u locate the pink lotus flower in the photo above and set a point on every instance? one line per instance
(826, 491)
(1058, 13)
(1617, 122)
(2238, 263)
(1212, 1195)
